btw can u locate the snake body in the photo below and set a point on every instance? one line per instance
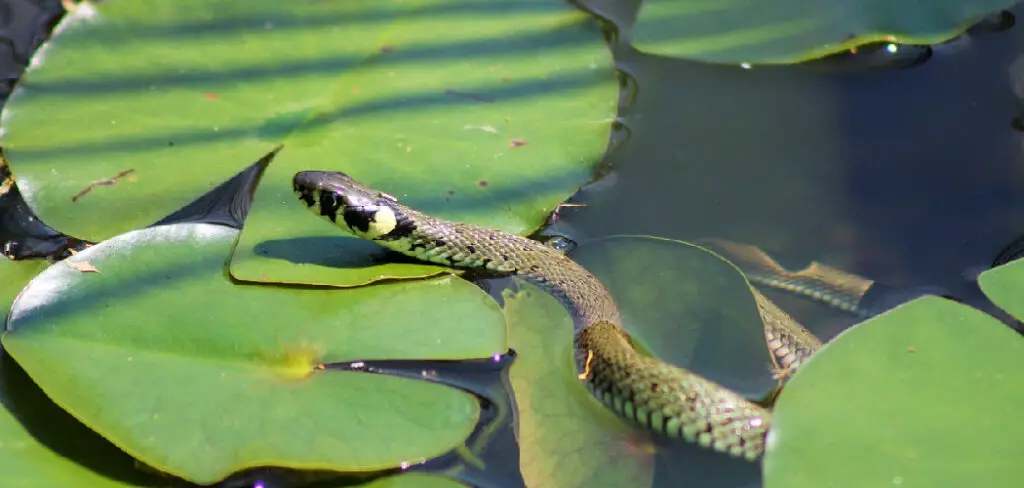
(669, 400)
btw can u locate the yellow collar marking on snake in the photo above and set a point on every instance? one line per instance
(381, 221)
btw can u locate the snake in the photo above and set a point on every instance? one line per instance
(657, 396)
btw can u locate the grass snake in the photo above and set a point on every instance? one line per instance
(664, 398)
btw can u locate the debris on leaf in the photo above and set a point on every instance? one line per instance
(83, 266)
(514, 143)
(104, 182)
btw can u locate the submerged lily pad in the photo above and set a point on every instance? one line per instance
(481, 110)
(199, 377)
(687, 306)
(918, 396)
(787, 31)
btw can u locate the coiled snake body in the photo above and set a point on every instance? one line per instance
(658, 396)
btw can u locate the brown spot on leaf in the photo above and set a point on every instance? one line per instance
(387, 48)
(482, 183)
(211, 96)
(514, 143)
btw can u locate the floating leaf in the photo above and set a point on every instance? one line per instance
(418, 98)
(918, 396)
(200, 377)
(1004, 286)
(786, 31)
(413, 481)
(42, 446)
(14, 275)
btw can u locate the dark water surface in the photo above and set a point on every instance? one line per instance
(911, 176)
(906, 175)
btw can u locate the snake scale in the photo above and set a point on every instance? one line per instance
(656, 395)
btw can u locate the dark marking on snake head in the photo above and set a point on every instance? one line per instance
(357, 218)
(329, 205)
(306, 195)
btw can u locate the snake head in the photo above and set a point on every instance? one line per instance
(364, 211)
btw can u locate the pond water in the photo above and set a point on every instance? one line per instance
(908, 175)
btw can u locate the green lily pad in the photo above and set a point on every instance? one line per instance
(42, 446)
(1004, 285)
(168, 359)
(566, 438)
(486, 111)
(789, 31)
(14, 275)
(923, 395)
(687, 306)
(497, 114)
(413, 481)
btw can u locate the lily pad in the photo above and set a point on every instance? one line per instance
(413, 481)
(789, 31)
(1004, 285)
(918, 396)
(486, 111)
(687, 306)
(14, 275)
(42, 446)
(200, 377)
(567, 439)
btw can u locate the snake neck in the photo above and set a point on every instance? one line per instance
(466, 246)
